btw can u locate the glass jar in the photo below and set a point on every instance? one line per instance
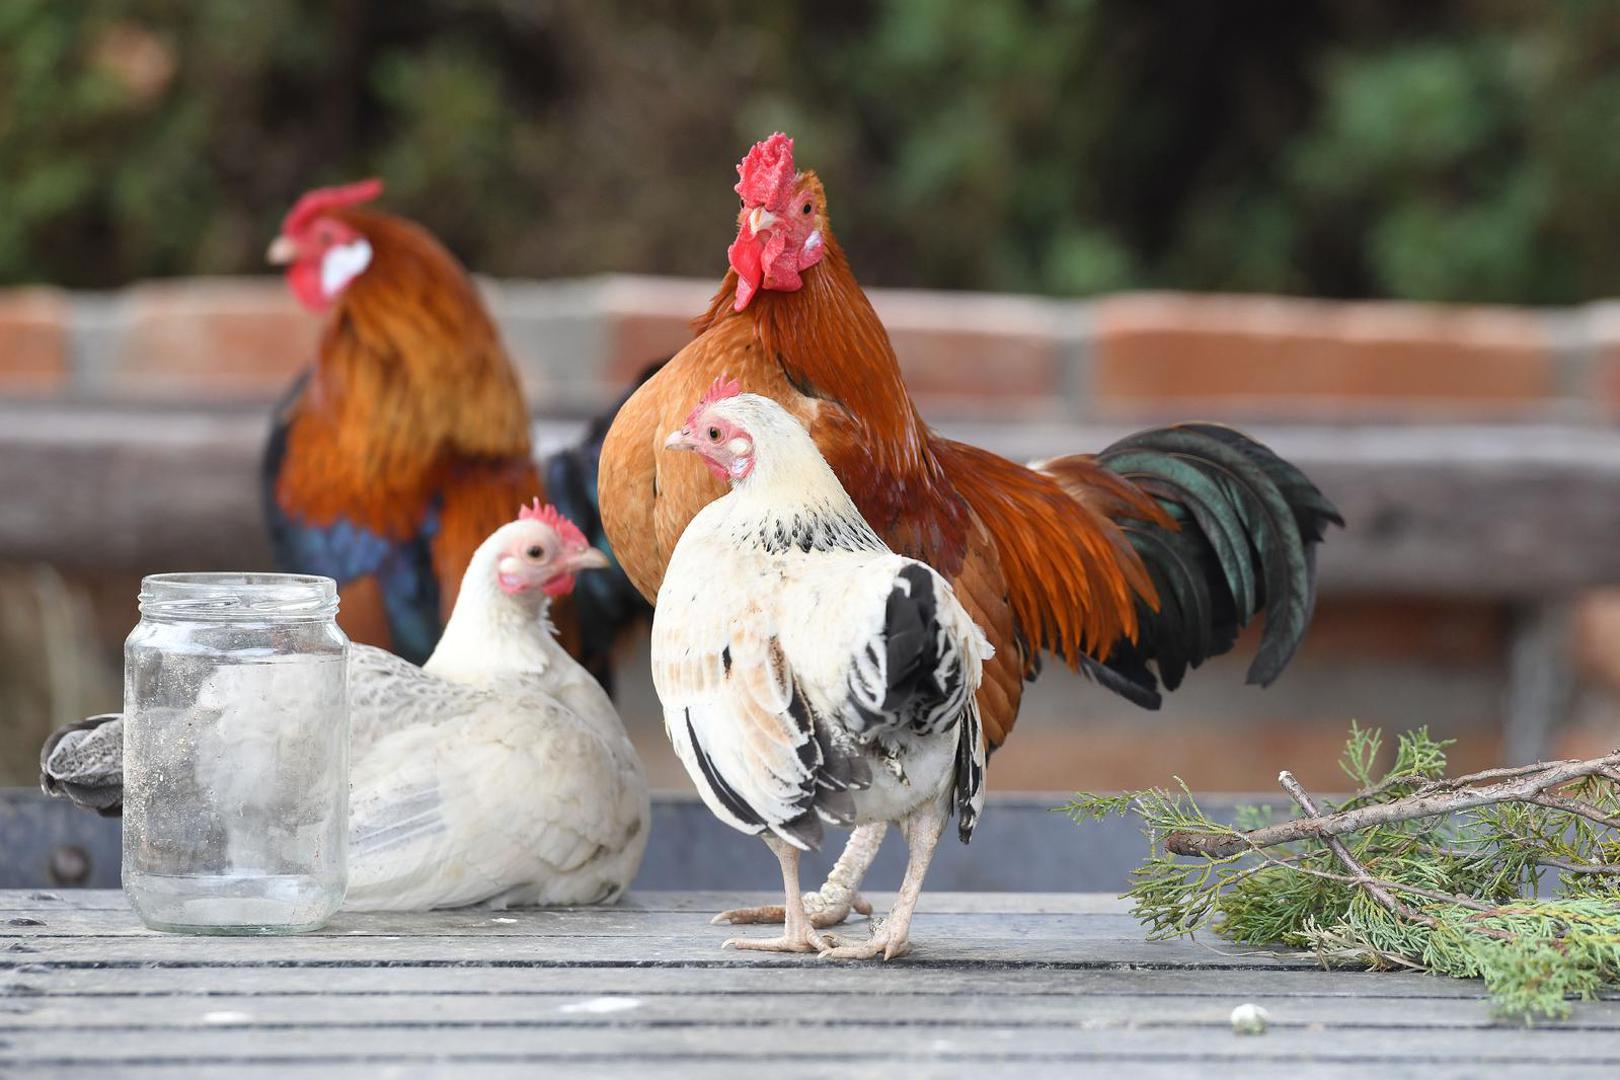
(236, 754)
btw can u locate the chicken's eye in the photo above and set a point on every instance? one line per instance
(714, 434)
(806, 209)
(535, 551)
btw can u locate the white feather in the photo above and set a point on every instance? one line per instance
(342, 264)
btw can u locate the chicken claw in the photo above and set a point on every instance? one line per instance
(885, 942)
(832, 904)
(807, 941)
(824, 910)
(798, 934)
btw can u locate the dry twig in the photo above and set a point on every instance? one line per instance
(1374, 887)
(1526, 784)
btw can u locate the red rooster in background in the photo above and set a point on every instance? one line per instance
(408, 440)
(1134, 564)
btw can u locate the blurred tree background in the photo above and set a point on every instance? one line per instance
(1448, 150)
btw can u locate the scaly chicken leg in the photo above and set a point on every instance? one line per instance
(798, 935)
(891, 934)
(838, 896)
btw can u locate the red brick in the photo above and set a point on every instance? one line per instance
(961, 354)
(1595, 734)
(1273, 354)
(214, 339)
(976, 355)
(1432, 631)
(643, 338)
(33, 342)
(1602, 323)
(647, 319)
(1597, 637)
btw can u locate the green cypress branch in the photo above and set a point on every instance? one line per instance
(1510, 875)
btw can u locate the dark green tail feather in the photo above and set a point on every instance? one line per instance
(1249, 521)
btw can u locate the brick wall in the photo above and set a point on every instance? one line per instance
(1126, 357)
(1136, 357)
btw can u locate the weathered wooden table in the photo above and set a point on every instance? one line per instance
(1000, 984)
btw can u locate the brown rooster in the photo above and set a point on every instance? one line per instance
(407, 442)
(1134, 564)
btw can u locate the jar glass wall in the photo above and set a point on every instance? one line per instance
(236, 747)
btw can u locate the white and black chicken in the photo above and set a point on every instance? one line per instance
(809, 675)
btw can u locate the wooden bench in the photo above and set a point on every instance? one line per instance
(1525, 516)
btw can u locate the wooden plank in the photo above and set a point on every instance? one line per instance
(185, 1012)
(697, 901)
(132, 489)
(944, 939)
(33, 979)
(1434, 509)
(69, 925)
(827, 1040)
(32, 982)
(912, 1069)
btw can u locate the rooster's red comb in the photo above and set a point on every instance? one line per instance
(766, 174)
(718, 390)
(313, 204)
(550, 515)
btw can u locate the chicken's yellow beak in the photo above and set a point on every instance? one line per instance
(760, 218)
(677, 441)
(589, 559)
(283, 251)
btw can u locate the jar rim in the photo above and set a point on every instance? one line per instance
(227, 595)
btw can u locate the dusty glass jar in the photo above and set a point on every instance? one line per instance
(236, 754)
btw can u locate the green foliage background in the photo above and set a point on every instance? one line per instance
(1448, 150)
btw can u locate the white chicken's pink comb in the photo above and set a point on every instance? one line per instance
(718, 390)
(550, 515)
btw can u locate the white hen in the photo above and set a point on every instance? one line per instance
(808, 674)
(499, 771)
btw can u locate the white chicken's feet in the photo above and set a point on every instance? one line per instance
(805, 941)
(826, 908)
(888, 940)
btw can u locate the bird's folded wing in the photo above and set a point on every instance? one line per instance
(467, 810)
(739, 720)
(389, 694)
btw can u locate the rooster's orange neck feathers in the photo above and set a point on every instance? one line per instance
(832, 346)
(1072, 585)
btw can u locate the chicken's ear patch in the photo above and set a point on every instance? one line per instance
(565, 529)
(718, 390)
(323, 200)
(766, 174)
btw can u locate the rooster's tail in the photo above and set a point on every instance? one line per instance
(1246, 525)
